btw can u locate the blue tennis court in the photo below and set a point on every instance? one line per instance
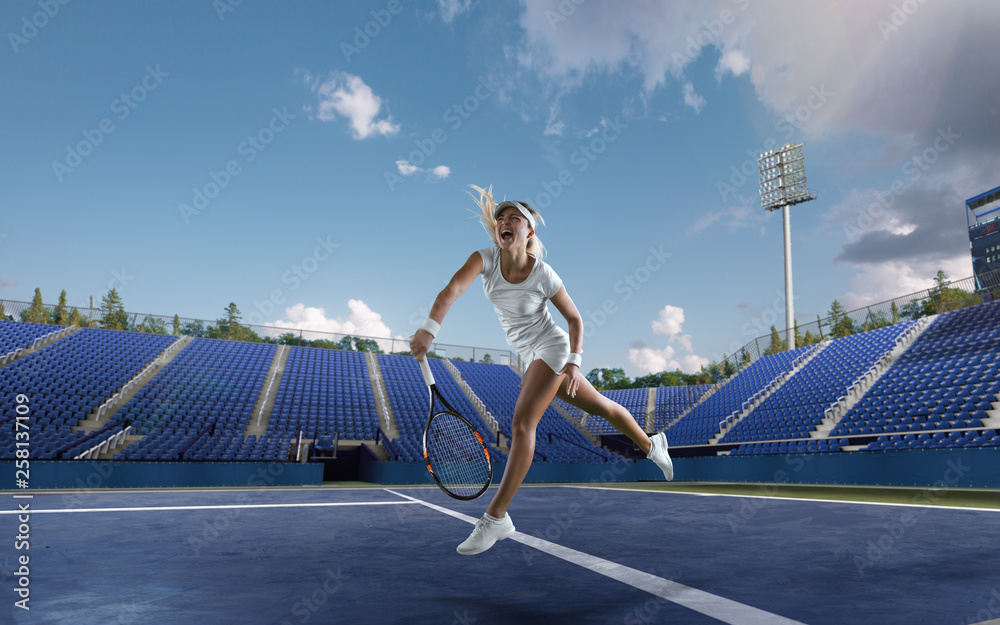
(581, 555)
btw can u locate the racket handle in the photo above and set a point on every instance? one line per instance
(425, 368)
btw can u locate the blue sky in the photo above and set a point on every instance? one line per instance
(310, 161)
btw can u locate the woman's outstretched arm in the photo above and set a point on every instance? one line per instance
(421, 341)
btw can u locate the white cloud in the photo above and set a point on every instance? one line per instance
(739, 217)
(692, 99)
(648, 360)
(450, 9)
(346, 95)
(846, 66)
(406, 168)
(440, 172)
(362, 321)
(734, 62)
(669, 323)
(879, 282)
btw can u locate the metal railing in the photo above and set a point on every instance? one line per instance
(953, 295)
(222, 329)
(390, 449)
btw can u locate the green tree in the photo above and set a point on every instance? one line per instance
(154, 325)
(810, 338)
(944, 298)
(368, 345)
(713, 373)
(777, 345)
(195, 329)
(36, 313)
(877, 319)
(176, 326)
(703, 377)
(3, 314)
(346, 343)
(840, 324)
(917, 309)
(607, 379)
(728, 369)
(894, 311)
(78, 320)
(113, 315)
(60, 315)
(488, 359)
(228, 327)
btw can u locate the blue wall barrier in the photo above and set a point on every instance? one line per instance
(962, 468)
(939, 468)
(91, 474)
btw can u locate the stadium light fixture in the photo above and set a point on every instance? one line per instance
(782, 184)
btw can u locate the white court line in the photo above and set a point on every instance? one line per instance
(725, 610)
(227, 507)
(777, 498)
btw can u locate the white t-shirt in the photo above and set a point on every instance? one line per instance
(522, 310)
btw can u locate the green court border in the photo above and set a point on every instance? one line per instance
(958, 497)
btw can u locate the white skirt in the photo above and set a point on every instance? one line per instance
(554, 350)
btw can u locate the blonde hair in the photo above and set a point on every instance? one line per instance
(488, 206)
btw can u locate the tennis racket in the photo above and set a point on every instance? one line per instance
(455, 453)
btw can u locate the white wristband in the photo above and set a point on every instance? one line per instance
(430, 326)
(574, 359)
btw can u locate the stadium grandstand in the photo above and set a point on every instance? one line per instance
(925, 382)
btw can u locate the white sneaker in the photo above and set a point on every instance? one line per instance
(658, 454)
(488, 530)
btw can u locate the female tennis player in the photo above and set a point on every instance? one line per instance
(518, 284)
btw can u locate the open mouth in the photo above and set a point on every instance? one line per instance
(506, 235)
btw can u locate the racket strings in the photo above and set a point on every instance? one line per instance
(456, 455)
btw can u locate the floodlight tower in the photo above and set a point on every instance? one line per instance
(782, 184)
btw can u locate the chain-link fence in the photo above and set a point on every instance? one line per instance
(940, 298)
(223, 329)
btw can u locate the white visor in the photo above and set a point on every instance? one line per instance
(524, 211)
